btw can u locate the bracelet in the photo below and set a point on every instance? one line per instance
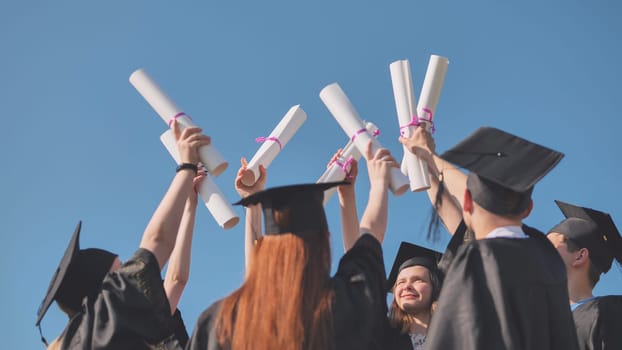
(189, 166)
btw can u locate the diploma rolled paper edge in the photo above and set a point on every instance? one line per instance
(348, 118)
(269, 150)
(166, 108)
(210, 193)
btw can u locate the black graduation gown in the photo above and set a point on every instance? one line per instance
(599, 323)
(130, 312)
(504, 293)
(396, 340)
(359, 303)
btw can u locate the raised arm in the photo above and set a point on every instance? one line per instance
(178, 270)
(161, 231)
(449, 210)
(347, 205)
(375, 216)
(252, 223)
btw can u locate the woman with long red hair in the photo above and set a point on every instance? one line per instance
(289, 300)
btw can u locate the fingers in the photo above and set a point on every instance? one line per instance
(243, 162)
(368, 153)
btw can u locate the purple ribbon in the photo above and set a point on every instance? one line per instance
(178, 115)
(415, 121)
(271, 138)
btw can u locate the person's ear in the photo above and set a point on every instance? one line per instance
(468, 202)
(528, 210)
(582, 257)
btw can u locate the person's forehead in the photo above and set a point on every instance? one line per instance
(414, 270)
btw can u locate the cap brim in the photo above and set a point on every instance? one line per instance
(276, 192)
(59, 275)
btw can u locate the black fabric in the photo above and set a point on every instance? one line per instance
(504, 293)
(59, 275)
(599, 323)
(84, 276)
(130, 312)
(396, 340)
(359, 305)
(457, 239)
(300, 208)
(496, 198)
(503, 158)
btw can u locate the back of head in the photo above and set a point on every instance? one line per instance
(594, 230)
(504, 169)
(288, 281)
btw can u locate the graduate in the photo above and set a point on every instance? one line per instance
(288, 299)
(415, 282)
(588, 241)
(125, 306)
(506, 289)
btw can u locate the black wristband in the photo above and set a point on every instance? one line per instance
(189, 166)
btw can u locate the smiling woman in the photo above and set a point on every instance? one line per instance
(415, 281)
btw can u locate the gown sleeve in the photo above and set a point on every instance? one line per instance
(599, 323)
(359, 305)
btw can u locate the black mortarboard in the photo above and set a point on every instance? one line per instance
(292, 209)
(79, 274)
(503, 168)
(591, 229)
(413, 255)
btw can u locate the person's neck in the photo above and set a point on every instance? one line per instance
(420, 324)
(487, 222)
(578, 287)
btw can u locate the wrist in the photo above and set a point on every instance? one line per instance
(187, 166)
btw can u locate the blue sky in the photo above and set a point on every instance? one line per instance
(81, 144)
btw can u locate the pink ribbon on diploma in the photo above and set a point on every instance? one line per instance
(344, 166)
(375, 133)
(271, 138)
(415, 121)
(178, 115)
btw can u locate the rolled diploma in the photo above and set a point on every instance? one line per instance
(415, 168)
(284, 131)
(342, 110)
(335, 172)
(432, 86)
(167, 109)
(211, 195)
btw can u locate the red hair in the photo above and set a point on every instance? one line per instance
(285, 302)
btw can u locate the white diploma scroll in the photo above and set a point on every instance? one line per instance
(339, 169)
(415, 168)
(342, 110)
(431, 89)
(168, 111)
(273, 144)
(209, 192)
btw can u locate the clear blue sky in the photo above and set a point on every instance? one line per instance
(79, 143)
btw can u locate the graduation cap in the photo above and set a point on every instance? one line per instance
(292, 209)
(503, 168)
(79, 274)
(591, 229)
(413, 255)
